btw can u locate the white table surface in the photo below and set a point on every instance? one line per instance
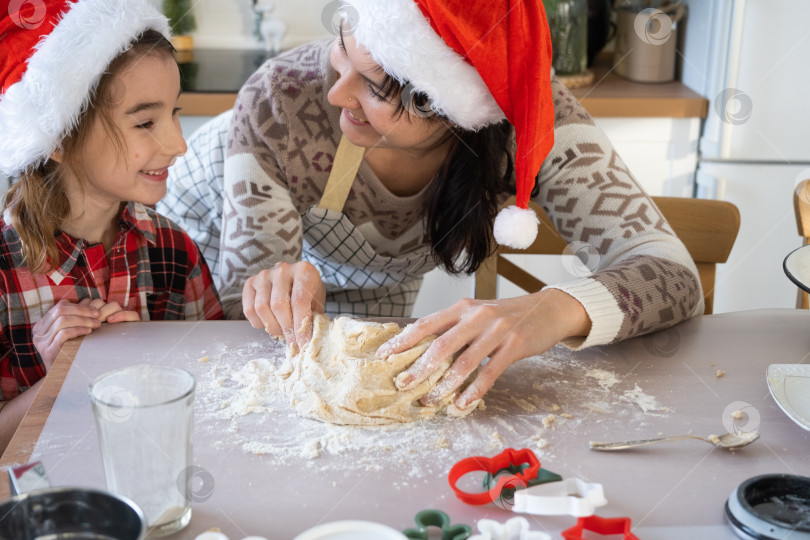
(670, 491)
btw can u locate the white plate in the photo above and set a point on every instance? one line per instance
(351, 530)
(790, 387)
(797, 267)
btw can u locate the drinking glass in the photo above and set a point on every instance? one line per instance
(144, 417)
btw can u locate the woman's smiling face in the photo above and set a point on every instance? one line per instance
(367, 118)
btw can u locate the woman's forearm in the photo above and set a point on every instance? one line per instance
(570, 314)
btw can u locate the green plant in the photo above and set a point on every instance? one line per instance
(180, 15)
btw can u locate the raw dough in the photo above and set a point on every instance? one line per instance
(337, 377)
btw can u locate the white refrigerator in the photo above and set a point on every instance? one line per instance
(751, 58)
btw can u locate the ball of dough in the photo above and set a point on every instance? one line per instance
(337, 377)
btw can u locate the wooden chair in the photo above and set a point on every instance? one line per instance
(707, 228)
(801, 208)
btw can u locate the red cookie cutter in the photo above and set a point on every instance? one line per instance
(507, 458)
(600, 525)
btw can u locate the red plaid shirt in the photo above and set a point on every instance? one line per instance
(154, 268)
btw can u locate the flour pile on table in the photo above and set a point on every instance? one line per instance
(337, 377)
(539, 403)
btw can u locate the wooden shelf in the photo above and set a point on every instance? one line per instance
(205, 103)
(613, 96)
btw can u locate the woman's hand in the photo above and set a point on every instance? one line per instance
(282, 299)
(503, 330)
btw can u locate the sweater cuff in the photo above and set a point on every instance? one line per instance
(600, 305)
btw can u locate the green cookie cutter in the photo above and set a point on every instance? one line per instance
(543, 476)
(437, 518)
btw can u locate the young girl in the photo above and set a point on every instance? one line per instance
(353, 167)
(91, 141)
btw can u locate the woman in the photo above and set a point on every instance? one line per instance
(421, 94)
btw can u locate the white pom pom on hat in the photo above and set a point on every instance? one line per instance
(516, 227)
(478, 63)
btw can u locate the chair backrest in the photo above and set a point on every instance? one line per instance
(801, 207)
(707, 228)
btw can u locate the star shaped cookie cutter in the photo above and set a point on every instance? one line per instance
(572, 496)
(516, 528)
(600, 525)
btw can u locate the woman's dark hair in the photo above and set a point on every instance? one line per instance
(463, 200)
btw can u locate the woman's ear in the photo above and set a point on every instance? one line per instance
(57, 155)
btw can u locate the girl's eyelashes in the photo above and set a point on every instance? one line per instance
(150, 123)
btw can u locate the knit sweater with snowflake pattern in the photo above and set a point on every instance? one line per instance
(251, 174)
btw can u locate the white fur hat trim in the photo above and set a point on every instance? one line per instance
(37, 112)
(401, 40)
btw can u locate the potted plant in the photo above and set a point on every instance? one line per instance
(181, 19)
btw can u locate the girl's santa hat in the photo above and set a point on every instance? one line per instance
(54, 54)
(478, 62)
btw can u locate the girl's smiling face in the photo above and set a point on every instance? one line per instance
(145, 114)
(368, 119)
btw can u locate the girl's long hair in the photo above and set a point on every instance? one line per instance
(463, 199)
(38, 201)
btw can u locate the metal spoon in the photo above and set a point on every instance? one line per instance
(729, 441)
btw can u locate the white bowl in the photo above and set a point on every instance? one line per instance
(351, 530)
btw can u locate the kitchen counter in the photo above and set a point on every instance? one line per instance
(212, 77)
(613, 96)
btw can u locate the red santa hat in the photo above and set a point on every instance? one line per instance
(54, 54)
(478, 62)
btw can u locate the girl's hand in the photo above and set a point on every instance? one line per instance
(114, 313)
(503, 330)
(66, 320)
(282, 299)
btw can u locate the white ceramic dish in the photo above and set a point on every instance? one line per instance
(351, 530)
(797, 267)
(790, 387)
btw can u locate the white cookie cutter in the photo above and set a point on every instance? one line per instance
(213, 535)
(516, 528)
(572, 496)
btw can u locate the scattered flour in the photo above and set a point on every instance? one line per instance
(241, 404)
(646, 402)
(605, 379)
(540, 442)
